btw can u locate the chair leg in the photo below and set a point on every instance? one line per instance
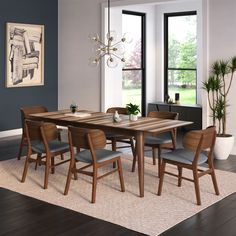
(134, 162)
(196, 185)
(21, 147)
(69, 175)
(213, 177)
(121, 175)
(46, 172)
(159, 160)
(52, 165)
(154, 155)
(25, 167)
(163, 166)
(132, 146)
(94, 185)
(180, 172)
(75, 172)
(37, 160)
(113, 146)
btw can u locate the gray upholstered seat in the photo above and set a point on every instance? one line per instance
(54, 146)
(101, 154)
(184, 156)
(152, 140)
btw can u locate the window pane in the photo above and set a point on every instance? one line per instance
(184, 83)
(132, 25)
(131, 87)
(182, 41)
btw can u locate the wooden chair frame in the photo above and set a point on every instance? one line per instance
(159, 147)
(42, 132)
(93, 140)
(196, 141)
(25, 111)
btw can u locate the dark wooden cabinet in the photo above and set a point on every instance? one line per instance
(186, 112)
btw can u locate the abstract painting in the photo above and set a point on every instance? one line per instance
(25, 55)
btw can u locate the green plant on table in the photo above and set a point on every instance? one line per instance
(132, 109)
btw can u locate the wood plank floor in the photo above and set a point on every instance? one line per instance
(21, 215)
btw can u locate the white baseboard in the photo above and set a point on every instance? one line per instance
(9, 133)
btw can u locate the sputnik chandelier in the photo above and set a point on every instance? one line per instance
(113, 50)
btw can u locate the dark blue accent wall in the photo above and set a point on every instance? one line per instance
(43, 12)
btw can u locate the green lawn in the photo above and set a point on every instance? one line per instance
(187, 96)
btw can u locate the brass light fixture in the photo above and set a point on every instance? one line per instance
(113, 50)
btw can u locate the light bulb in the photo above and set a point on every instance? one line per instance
(112, 36)
(93, 61)
(112, 62)
(94, 37)
(119, 49)
(127, 38)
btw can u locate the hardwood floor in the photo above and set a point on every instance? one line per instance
(21, 215)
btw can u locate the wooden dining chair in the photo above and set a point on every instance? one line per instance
(92, 141)
(25, 111)
(43, 140)
(198, 149)
(165, 140)
(114, 138)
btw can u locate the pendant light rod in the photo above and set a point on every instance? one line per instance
(109, 30)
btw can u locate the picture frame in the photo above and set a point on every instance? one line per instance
(24, 55)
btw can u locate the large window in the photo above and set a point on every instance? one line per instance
(133, 83)
(180, 38)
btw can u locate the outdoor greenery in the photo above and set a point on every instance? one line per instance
(218, 86)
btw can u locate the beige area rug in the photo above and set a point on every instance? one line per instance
(150, 215)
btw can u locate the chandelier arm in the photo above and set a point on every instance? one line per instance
(113, 54)
(113, 45)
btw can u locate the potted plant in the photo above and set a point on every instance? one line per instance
(73, 107)
(217, 87)
(133, 111)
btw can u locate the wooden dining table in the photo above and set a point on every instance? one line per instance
(104, 121)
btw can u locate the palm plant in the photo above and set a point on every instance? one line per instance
(217, 87)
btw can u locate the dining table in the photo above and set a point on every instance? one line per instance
(104, 121)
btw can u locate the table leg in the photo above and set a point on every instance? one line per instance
(140, 155)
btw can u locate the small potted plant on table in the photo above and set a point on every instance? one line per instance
(73, 107)
(133, 111)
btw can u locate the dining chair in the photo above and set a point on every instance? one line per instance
(25, 111)
(114, 138)
(158, 142)
(197, 149)
(43, 140)
(90, 144)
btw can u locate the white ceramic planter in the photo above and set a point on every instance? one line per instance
(223, 147)
(133, 117)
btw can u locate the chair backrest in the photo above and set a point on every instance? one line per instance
(200, 140)
(25, 111)
(40, 131)
(86, 138)
(121, 110)
(164, 115)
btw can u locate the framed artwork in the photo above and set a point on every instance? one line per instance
(24, 55)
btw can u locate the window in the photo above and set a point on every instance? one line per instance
(180, 72)
(133, 72)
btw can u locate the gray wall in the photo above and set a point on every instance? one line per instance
(43, 12)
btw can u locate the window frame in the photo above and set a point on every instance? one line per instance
(143, 57)
(166, 58)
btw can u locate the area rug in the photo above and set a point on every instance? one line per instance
(151, 215)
